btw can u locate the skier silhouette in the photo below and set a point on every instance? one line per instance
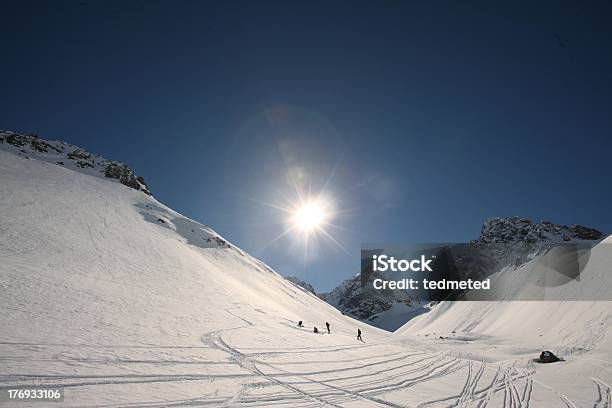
(300, 324)
(316, 330)
(359, 335)
(327, 324)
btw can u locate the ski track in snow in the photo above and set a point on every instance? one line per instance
(367, 383)
(410, 373)
(367, 380)
(604, 399)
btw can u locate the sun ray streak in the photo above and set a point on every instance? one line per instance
(272, 205)
(284, 233)
(308, 212)
(334, 240)
(332, 173)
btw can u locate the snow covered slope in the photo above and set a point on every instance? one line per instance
(514, 330)
(121, 301)
(102, 284)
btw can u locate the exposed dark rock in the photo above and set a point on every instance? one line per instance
(78, 154)
(517, 229)
(548, 357)
(365, 306)
(350, 298)
(58, 152)
(42, 146)
(586, 233)
(15, 140)
(219, 241)
(82, 164)
(126, 176)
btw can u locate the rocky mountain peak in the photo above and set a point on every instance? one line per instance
(520, 229)
(70, 156)
(379, 308)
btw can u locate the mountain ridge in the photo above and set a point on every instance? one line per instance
(387, 310)
(64, 154)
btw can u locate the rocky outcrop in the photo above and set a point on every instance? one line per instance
(126, 176)
(517, 229)
(586, 233)
(502, 242)
(28, 140)
(352, 299)
(64, 154)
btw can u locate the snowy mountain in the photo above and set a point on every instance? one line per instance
(576, 327)
(114, 296)
(518, 229)
(385, 309)
(70, 156)
(120, 301)
(390, 310)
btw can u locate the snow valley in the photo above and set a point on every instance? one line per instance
(118, 300)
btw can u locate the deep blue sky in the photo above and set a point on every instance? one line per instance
(434, 115)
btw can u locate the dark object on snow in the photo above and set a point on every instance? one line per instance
(359, 335)
(328, 331)
(548, 357)
(300, 324)
(316, 330)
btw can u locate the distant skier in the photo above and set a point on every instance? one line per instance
(316, 330)
(327, 324)
(300, 324)
(359, 335)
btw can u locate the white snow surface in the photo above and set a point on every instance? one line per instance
(122, 301)
(513, 330)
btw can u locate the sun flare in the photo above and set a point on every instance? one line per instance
(309, 220)
(310, 216)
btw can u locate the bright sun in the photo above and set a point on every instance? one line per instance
(309, 216)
